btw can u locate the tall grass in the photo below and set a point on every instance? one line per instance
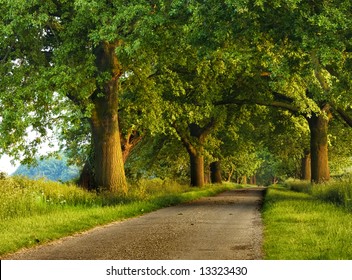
(37, 211)
(338, 192)
(21, 197)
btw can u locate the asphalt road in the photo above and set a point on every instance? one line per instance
(226, 226)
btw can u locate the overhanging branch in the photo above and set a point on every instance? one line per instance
(344, 116)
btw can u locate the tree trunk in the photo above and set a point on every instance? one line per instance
(229, 175)
(306, 166)
(109, 171)
(194, 144)
(86, 178)
(197, 169)
(108, 160)
(215, 172)
(319, 146)
(207, 178)
(244, 180)
(253, 180)
(128, 143)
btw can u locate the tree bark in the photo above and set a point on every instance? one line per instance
(86, 178)
(244, 180)
(207, 178)
(195, 148)
(109, 171)
(319, 146)
(197, 169)
(215, 172)
(306, 166)
(253, 180)
(108, 160)
(128, 143)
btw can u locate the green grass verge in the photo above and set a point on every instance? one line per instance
(36, 212)
(338, 192)
(301, 227)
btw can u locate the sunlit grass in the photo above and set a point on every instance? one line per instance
(300, 226)
(34, 212)
(338, 192)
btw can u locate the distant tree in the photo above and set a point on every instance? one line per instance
(52, 169)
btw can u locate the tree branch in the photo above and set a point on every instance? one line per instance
(185, 141)
(344, 116)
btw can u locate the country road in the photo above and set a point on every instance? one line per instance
(226, 226)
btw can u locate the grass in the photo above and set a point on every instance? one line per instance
(35, 212)
(338, 192)
(300, 226)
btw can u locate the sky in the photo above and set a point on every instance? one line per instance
(5, 161)
(6, 166)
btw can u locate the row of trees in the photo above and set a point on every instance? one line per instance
(246, 83)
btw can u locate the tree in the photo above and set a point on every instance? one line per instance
(158, 156)
(50, 168)
(302, 51)
(64, 62)
(325, 46)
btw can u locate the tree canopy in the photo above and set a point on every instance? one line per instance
(246, 83)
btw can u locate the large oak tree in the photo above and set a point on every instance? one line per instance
(64, 62)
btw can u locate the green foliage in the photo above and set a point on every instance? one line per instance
(161, 157)
(179, 62)
(340, 160)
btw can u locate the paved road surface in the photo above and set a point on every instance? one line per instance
(226, 226)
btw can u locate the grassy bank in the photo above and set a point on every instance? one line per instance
(35, 212)
(303, 226)
(338, 192)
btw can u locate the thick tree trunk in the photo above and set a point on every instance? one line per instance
(215, 172)
(197, 169)
(108, 160)
(194, 143)
(306, 166)
(109, 171)
(319, 146)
